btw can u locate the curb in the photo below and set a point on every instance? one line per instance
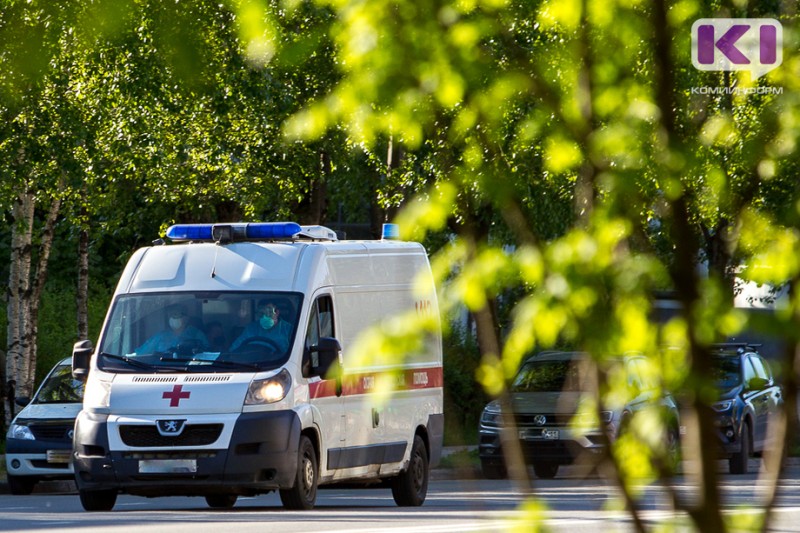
(439, 474)
(457, 473)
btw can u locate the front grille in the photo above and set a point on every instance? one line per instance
(552, 420)
(51, 431)
(149, 437)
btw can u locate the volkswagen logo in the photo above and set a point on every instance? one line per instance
(540, 420)
(170, 428)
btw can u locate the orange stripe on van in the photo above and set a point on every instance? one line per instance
(369, 382)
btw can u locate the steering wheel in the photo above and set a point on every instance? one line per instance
(260, 340)
(189, 347)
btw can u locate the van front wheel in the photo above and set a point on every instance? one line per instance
(409, 488)
(221, 501)
(98, 500)
(303, 495)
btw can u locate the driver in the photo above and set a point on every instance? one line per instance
(179, 332)
(268, 326)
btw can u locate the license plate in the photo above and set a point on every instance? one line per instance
(58, 456)
(167, 466)
(550, 434)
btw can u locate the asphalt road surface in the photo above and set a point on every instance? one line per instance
(572, 504)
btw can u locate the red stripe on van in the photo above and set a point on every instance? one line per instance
(368, 382)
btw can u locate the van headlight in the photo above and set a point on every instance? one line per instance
(270, 390)
(97, 394)
(20, 431)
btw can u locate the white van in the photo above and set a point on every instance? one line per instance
(225, 368)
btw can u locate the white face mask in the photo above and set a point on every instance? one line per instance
(176, 323)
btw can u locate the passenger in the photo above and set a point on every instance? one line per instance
(268, 326)
(179, 334)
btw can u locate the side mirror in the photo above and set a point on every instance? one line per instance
(22, 401)
(326, 359)
(81, 355)
(757, 383)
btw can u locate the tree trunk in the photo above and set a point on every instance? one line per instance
(83, 277)
(24, 295)
(18, 348)
(314, 206)
(39, 280)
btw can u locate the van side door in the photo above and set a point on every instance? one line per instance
(325, 391)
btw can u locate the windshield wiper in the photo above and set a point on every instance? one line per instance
(212, 362)
(129, 360)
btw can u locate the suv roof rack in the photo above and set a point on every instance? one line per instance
(740, 347)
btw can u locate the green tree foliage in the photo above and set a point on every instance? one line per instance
(562, 162)
(592, 102)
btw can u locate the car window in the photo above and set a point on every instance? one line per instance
(61, 387)
(549, 376)
(640, 376)
(749, 370)
(726, 371)
(760, 367)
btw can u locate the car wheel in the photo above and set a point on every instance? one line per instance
(673, 446)
(493, 469)
(738, 462)
(21, 485)
(303, 495)
(221, 501)
(545, 470)
(410, 487)
(98, 500)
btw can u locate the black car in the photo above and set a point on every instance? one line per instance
(546, 395)
(748, 396)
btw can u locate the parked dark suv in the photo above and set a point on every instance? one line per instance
(545, 396)
(748, 396)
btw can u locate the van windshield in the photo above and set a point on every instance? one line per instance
(204, 332)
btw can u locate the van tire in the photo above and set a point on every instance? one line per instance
(98, 500)
(221, 501)
(410, 487)
(303, 495)
(21, 485)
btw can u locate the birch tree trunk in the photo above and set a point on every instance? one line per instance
(25, 289)
(18, 352)
(83, 277)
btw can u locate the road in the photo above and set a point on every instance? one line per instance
(452, 506)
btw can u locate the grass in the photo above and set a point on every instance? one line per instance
(466, 459)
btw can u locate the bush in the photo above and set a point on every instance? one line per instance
(464, 398)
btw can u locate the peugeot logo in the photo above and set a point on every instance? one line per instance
(170, 428)
(539, 420)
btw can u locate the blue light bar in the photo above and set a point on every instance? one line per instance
(190, 232)
(272, 230)
(390, 232)
(241, 231)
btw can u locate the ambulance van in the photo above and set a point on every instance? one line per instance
(225, 368)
